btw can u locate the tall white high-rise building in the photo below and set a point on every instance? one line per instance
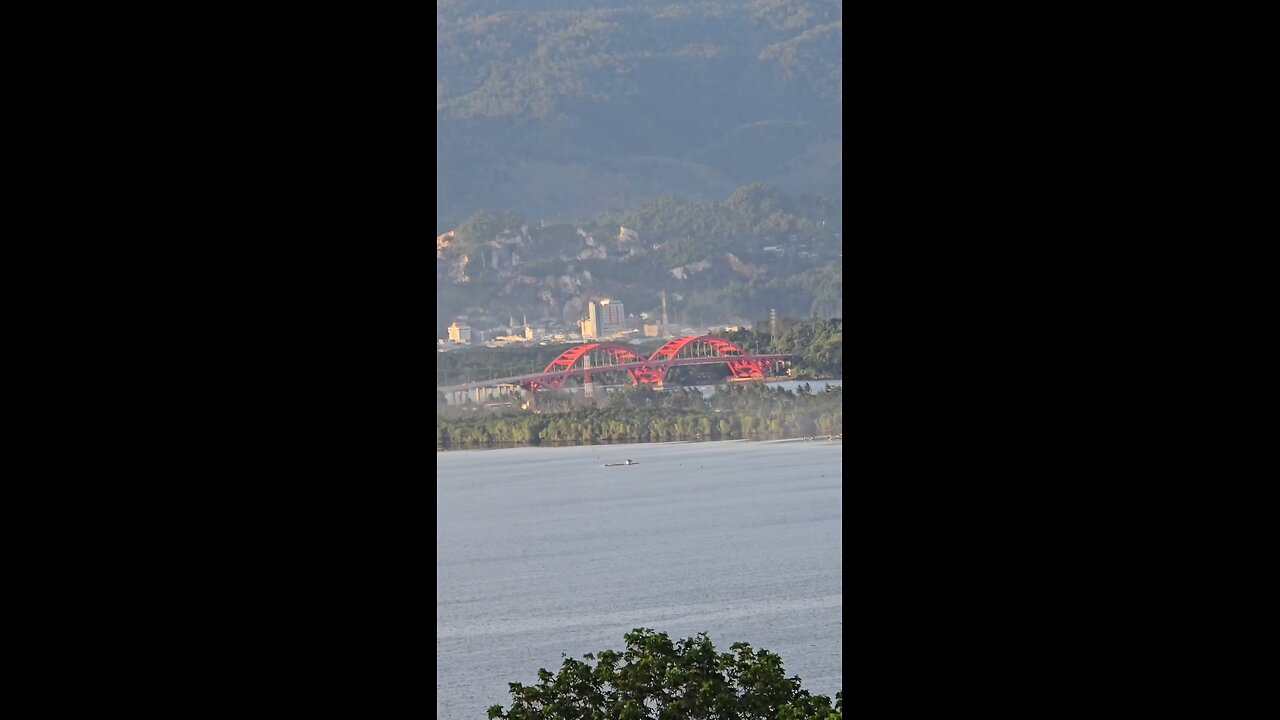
(604, 319)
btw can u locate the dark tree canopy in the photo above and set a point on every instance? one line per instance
(657, 679)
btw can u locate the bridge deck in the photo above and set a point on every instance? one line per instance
(578, 372)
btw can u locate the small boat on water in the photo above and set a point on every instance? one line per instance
(626, 462)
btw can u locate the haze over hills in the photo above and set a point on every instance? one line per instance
(563, 112)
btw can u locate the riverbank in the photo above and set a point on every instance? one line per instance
(640, 416)
(839, 437)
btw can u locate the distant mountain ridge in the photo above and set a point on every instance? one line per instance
(567, 110)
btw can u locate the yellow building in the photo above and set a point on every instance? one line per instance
(460, 333)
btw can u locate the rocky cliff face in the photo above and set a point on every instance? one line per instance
(456, 270)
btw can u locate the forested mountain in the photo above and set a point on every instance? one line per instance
(563, 109)
(719, 261)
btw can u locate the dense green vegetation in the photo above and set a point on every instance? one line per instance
(818, 346)
(657, 679)
(564, 107)
(641, 414)
(718, 261)
(753, 212)
(806, 294)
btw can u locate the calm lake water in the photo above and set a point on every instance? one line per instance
(541, 551)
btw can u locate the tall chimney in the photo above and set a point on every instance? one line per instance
(665, 332)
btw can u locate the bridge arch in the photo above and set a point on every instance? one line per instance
(722, 347)
(569, 358)
(742, 369)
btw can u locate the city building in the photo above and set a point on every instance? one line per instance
(460, 333)
(605, 318)
(652, 329)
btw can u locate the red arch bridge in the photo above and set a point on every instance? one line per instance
(583, 361)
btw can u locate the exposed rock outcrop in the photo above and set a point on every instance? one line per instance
(746, 270)
(685, 271)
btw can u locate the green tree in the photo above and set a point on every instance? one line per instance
(657, 679)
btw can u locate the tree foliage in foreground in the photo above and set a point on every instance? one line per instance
(657, 679)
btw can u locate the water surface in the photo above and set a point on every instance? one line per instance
(541, 551)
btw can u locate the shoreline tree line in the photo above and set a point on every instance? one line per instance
(641, 414)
